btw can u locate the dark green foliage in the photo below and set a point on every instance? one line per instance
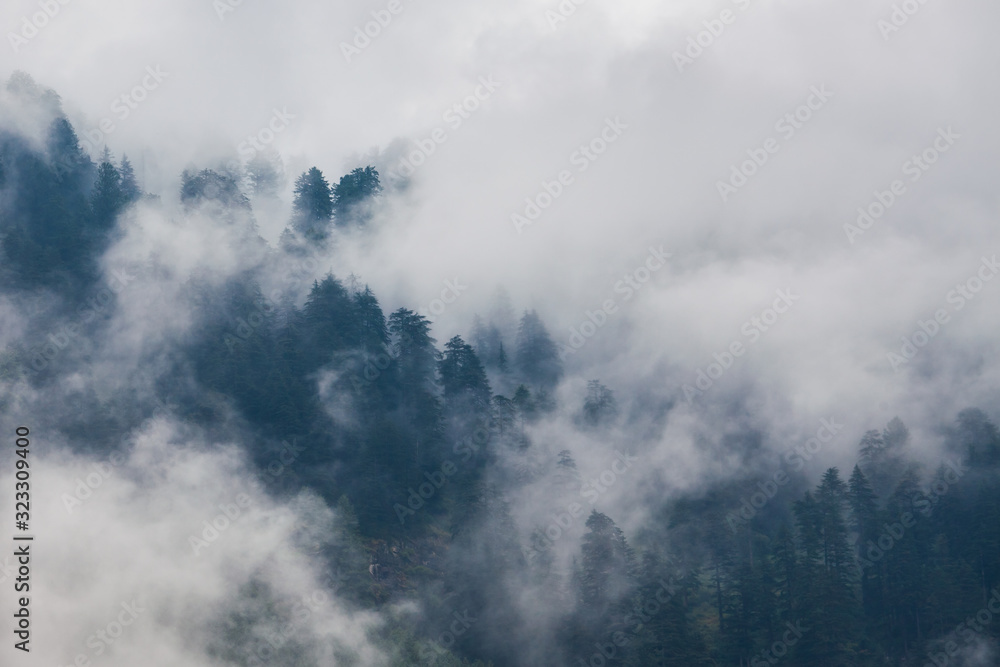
(604, 584)
(49, 235)
(504, 415)
(463, 378)
(108, 198)
(420, 459)
(265, 174)
(129, 186)
(312, 206)
(352, 192)
(976, 438)
(414, 350)
(488, 343)
(220, 191)
(330, 319)
(607, 563)
(537, 358)
(600, 406)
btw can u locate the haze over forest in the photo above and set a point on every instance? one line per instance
(521, 333)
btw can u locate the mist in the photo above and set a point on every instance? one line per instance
(753, 233)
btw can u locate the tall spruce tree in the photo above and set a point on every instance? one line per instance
(537, 357)
(108, 198)
(312, 206)
(351, 194)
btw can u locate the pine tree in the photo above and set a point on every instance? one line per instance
(462, 376)
(607, 563)
(566, 476)
(220, 191)
(537, 355)
(331, 320)
(830, 607)
(600, 406)
(414, 350)
(502, 359)
(265, 172)
(352, 192)
(488, 344)
(787, 583)
(108, 198)
(525, 404)
(130, 188)
(415, 366)
(604, 584)
(882, 455)
(975, 438)
(905, 557)
(865, 524)
(72, 167)
(312, 206)
(504, 414)
(374, 332)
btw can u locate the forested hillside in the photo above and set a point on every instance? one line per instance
(428, 451)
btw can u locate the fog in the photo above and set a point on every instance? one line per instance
(533, 91)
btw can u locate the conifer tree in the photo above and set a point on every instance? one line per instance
(463, 377)
(312, 206)
(537, 355)
(130, 188)
(354, 190)
(108, 198)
